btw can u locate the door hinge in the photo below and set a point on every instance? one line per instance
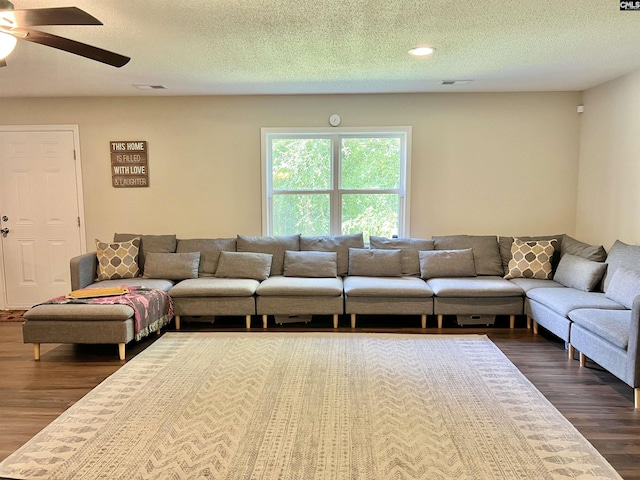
(78, 221)
(74, 157)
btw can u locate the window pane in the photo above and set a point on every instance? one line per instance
(370, 163)
(304, 214)
(372, 214)
(301, 164)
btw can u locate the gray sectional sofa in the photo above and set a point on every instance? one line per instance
(574, 290)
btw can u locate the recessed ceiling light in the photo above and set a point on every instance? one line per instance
(421, 51)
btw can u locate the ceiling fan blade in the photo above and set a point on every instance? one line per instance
(52, 16)
(72, 46)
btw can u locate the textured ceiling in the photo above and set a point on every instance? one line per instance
(208, 47)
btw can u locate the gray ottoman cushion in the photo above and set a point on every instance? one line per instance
(78, 311)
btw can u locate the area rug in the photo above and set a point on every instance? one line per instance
(343, 406)
(11, 315)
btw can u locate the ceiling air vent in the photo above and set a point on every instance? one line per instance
(455, 82)
(150, 87)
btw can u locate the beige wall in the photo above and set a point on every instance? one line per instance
(608, 195)
(504, 163)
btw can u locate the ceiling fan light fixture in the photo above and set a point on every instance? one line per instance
(7, 44)
(422, 51)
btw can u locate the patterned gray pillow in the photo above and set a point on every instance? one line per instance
(118, 260)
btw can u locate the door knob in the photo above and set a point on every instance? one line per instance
(4, 231)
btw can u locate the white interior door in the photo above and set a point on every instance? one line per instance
(40, 212)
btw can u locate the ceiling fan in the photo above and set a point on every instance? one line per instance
(15, 25)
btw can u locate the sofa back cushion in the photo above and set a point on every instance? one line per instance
(409, 248)
(209, 249)
(571, 246)
(624, 286)
(365, 262)
(486, 251)
(275, 246)
(172, 266)
(334, 243)
(149, 244)
(531, 259)
(621, 254)
(580, 273)
(447, 263)
(251, 265)
(310, 264)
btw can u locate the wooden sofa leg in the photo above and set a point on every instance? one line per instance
(36, 351)
(440, 321)
(121, 351)
(423, 321)
(572, 352)
(535, 327)
(512, 322)
(177, 317)
(248, 321)
(353, 320)
(528, 323)
(264, 321)
(335, 320)
(636, 397)
(583, 359)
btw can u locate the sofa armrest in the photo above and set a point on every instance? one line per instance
(633, 357)
(83, 270)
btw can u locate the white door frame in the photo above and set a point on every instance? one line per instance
(79, 191)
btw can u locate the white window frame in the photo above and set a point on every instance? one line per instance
(336, 192)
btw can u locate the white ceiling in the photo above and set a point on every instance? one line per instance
(211, 47)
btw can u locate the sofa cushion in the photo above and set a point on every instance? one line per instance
(375, 262)
(280, 286)
(571, 246)
(401, 287)
(612, 325)
(486, 251)
(244, 265)
(209, 249)
(580, 273)
(621, 254)
(565, 300)
(173, 266)
(530, 259)
(447, 263)
(275, 246)
(79, 311)
(334, 243)
(486, 286)
(149, 244)
(624, 286)
(408, 246)
(215, 287)
(118, 260)
(527, 284)
(506, 243)
(155, 283)
(310, 264)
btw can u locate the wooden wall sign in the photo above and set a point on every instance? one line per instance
(129, 164)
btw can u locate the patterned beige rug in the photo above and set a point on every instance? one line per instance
(312, 406)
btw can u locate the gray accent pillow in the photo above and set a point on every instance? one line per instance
(209, 249)
(310, 264)
(365, 262)
(577, 272)
(172, 266)
(486, 251)
(571, 246)
(624, 286)
(408, 246)
(447, 263)
(505, 244)
(275, 246)
(149, 244)
(621, 254)
(244, 265)
(334, 243)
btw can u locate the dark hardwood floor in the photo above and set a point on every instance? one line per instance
(32, 394)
